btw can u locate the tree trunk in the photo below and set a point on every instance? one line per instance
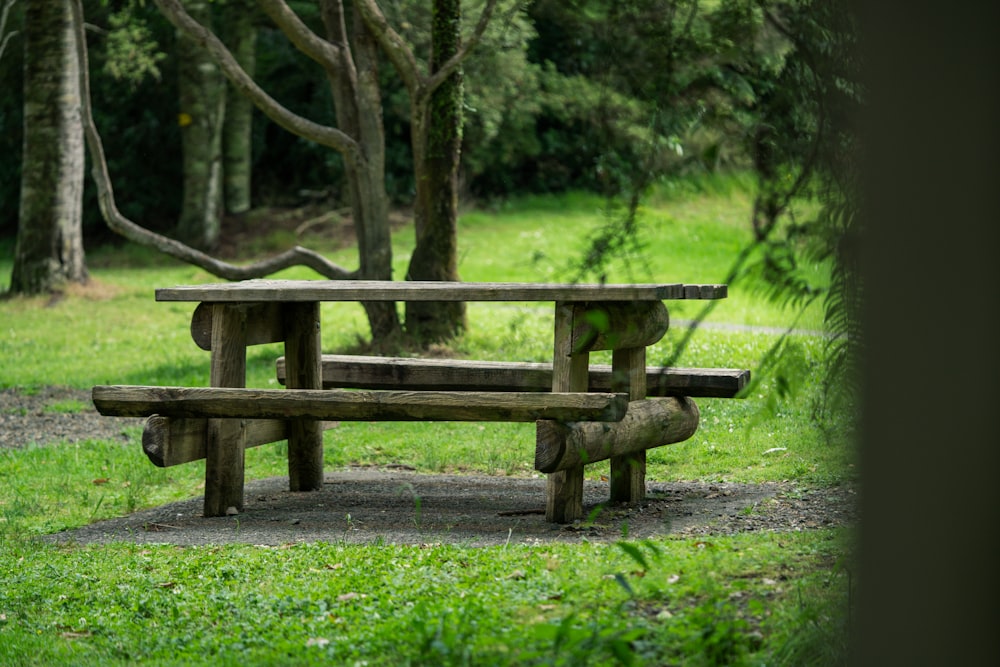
(437, 139)
(237, 156)
(202, 91)
(358, 104)
(49, 249)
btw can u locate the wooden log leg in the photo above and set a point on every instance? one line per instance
(304, 371)
(628, 473)
(564, 489)
(224, 443)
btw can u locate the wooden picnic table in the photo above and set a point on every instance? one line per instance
(625, 318)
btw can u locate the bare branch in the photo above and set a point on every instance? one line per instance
(5, 38)
(472, 41)
(401, 55)
(298, 33)
(395, 47)
(303, 127)
(297, 256)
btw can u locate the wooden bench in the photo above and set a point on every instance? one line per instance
(647, 424)
(583, 414)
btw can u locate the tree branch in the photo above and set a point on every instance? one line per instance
(303, 127)
(448, 67)
(297, 256)
(401, 55)
(395, 47)
(5, 38)
(324, 52)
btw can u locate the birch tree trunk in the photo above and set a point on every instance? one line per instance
(49, 248)
(202, 91)
(437, 140)
(240, 35)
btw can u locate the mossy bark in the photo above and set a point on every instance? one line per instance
(49, 250)
(437, 151)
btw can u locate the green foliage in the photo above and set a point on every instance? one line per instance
(747, 599)
(132, 52)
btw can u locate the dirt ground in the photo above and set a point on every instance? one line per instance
(395, 505)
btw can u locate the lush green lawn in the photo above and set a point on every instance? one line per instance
(748, 599)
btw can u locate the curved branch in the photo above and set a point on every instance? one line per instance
(297, 256)
(395, 47)
(298, 33)
(401, 55)
(449, 66)
(303, 127)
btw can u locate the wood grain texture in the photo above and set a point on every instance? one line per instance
(628, 465)
(139, 401)
(171, 441)
(263, 321)
(387, 290)
(302, 354)
(225, 438)
(564, 488)
(649, 423)
(367, 372)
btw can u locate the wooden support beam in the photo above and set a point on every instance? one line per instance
(305, 436)
(171, 441)
(138, 401)
(618, 326)
(225, 438)
(564, 488)
(628, 469)
(649, 423)
(263, 323)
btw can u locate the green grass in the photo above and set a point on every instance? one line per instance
(746, 599)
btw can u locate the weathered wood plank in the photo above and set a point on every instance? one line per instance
(628, 465)
(651, 422)
(369, 290)
(564, 488)
(171, 441)
(139, 401)
(263, 321)
(224, 461)
(367, 372)
(305, 437)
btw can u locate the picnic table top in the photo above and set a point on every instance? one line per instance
(390, 290)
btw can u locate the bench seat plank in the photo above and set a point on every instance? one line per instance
(321, 404)
(367, 372)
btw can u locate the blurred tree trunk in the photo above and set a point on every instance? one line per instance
(49, 249)
(202, 91)
(437, 140)
(357, 98)
(240, 35)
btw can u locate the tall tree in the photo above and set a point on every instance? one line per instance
(437, 153)
(202, 93)
(436, 138)
(49, 250)
(348, 52)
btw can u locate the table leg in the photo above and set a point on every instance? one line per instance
(303, 370)
(225, 437)
(570, 372)
(628, 472)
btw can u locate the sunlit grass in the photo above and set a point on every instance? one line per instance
(746, 598)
